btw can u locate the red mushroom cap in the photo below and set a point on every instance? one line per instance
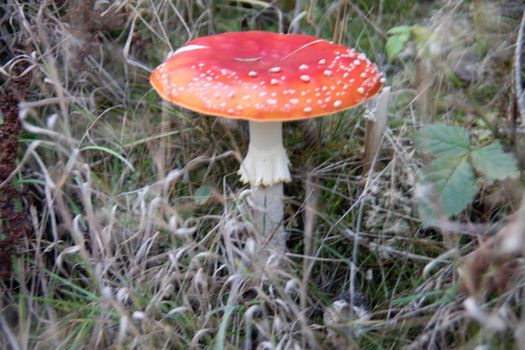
(264, 76)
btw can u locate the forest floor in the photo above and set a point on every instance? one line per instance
(123, 223)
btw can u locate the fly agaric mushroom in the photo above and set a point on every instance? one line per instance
(266, 78)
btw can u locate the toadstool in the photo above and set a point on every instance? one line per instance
(266, 78)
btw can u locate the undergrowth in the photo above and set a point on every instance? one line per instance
(137, 229)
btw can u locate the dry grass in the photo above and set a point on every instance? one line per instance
(139, 233)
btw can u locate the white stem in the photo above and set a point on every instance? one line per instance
(267, 214)
(266, 168)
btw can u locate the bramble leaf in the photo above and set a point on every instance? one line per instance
(442, 140)
(453, 185)
(493, 163)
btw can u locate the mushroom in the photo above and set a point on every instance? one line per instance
(266, 78)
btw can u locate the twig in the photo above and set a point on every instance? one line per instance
(518, 70)
(375, 127)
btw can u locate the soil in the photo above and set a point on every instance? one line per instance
(14, 222)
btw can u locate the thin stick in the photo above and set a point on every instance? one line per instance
(518, 70)
(520, 94)
(375, 127)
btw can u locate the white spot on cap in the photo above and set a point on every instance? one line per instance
(303, 67)
(322, 61)
(338, 103)
(328, 72)
(252, 73)
(361, 90)
(271, 101)
(307, 109)
(357, 62)
(363, 75)
(274, 81)
(305, 78)
(362, 56)
(231, 94)
(382, 80)
(294, 101)
(274, 69)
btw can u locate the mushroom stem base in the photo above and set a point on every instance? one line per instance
(267, 214)
(266, 168)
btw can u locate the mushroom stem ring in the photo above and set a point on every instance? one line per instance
(266, 162)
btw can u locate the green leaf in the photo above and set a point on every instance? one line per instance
(109, 151)
(220, 339)
(442, 140)
(202, 194)
(493, 163)
(452, 183)
(18, 205)
(426, 206)
(396, 43)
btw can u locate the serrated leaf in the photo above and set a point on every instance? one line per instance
(493, 163)
(452, 181)
(202, 194)
(426, 206)
(442, 140)
(396, 43)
